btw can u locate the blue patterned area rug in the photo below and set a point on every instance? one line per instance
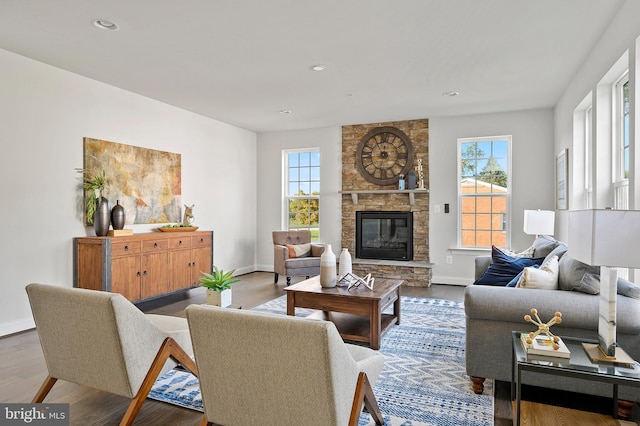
(423, 381)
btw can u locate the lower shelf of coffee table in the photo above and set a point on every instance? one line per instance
(356, 328)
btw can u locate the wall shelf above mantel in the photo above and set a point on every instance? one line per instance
(410, 192)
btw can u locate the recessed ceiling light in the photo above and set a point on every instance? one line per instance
(285, 111)
(318, 67)
(103, 24)
(450, 94)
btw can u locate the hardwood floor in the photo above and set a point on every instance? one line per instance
(22, 370)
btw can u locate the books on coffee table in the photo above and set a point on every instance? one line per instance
(541, 345)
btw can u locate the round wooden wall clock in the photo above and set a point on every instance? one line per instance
(384, 154)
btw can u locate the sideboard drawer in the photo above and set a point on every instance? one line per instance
(201, 241)
(177, 243)
(152, 246)
(125, 248)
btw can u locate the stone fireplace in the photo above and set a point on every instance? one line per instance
(360, 195)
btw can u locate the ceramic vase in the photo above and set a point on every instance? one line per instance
(219, 298)
(345, 263)
(118, 216)
(411, 178)
(102, 218)
(328, 272)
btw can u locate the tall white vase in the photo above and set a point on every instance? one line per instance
(328, 267)
(345, 263)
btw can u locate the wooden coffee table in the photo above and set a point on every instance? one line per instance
(357, 313)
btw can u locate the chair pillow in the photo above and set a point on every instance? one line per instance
(525, 253)
(504, 268)
(545, 277)
(543, 245)
(299, 250)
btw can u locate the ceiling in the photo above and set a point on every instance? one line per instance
(242, 62)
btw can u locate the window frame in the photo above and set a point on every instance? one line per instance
(506, 223)
(620, 144)
(286, 197)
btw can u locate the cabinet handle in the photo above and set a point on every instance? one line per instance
(189, 264)
(202, 240)
(155, 245)
(138, 274)
(144, 273)
(180, 243)
(126, 248)
(194, 263)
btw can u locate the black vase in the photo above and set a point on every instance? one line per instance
(118, 216)
(102, 218)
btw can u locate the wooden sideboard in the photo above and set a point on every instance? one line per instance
(142, 266)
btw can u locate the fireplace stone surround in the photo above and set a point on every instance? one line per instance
(372, 197)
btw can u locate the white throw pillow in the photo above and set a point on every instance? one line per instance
(545, 277)
(528, 253)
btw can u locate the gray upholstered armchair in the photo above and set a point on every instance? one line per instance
(244, 380)
(101, 340)
(294, 255)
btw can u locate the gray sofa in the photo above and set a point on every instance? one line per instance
(493, 312)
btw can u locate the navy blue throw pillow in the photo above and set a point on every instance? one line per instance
(505, 268)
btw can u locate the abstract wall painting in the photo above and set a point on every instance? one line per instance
(146, 182)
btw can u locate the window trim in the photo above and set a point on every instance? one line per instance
(619, 183)
(460, 142)
(285, 185)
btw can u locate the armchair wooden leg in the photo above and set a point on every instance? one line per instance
(44, 389)
(275, 278)
(169, 349)
(364, 395)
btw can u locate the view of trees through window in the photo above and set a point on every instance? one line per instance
(303, 191)
(484, 191)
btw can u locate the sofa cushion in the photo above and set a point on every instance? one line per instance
(543, 245)
(545, 277)
(504, 268)
(299, 250)
(577, 276)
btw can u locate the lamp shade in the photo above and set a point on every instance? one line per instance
(539, 222)
(605, 237)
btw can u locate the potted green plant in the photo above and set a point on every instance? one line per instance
(93, 182)
(218, 286)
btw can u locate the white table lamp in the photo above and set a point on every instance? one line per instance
(539, 222)
(609, 239)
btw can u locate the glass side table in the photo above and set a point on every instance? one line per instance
(579, 366)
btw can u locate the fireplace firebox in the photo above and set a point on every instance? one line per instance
(384, 235)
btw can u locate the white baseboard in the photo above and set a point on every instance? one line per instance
(16, 327)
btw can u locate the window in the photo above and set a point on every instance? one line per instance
(484, 191)
(588, 161)
(303, 191)
(621, 144)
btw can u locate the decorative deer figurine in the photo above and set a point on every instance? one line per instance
(187, 220)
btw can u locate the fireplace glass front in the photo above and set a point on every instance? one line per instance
(384, 235)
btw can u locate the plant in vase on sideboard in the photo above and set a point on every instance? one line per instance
(218, 286)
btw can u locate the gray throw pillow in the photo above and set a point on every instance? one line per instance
(559, 251)
(629, 289)
(578, 276)
(543, 245)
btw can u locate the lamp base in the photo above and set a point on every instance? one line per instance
(597, 356)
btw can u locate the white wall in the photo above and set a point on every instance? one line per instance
(270, 191)
(532, 170)
(621, 36)
(44, 114)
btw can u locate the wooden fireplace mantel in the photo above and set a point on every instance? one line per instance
(410, 192)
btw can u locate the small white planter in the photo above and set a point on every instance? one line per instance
(222, 299)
